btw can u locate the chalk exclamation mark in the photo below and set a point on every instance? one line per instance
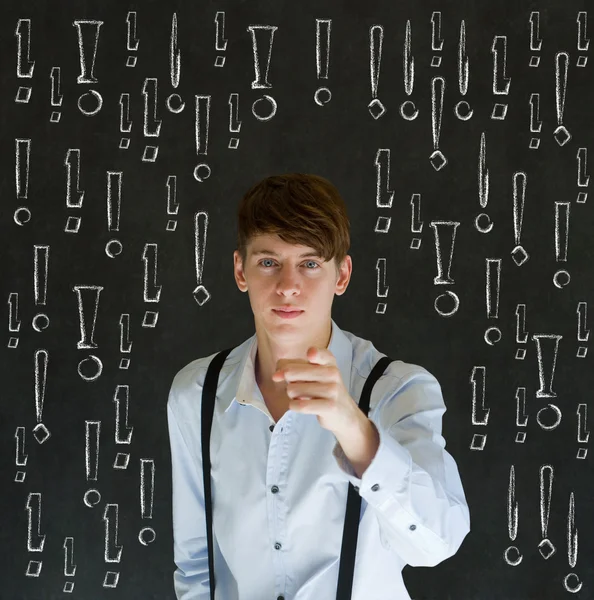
(69, 566)
(583, 333)
(416, 225)
(22, 153)
(125, 121)
(501, 82)
(174, 103)
(482, 222)
(113, 247)
(384, 195)
(264, 108)
(92, 496)
(382, 289)
(234, 122)
(583, 434)
(583, 179)
(437, 158)
(519, 254)
(323, 30)
(408, 110)
(512, 554)
(562, 277)
(493, 286)
(441, 231)
(582, 37)
(74, 195)
(55, 96)
(132, 41)
(88, 297)
(561, 67)
(546, 547)
(40, 431)
(122, 397)
(113, 550)
(535, 122)
(535, 39)
(521, 333)
(147, 535)
(89, 31)
(546, 375)
(521, 415)
(202, 122)
(151, 291)
(376, 40)
(571, 581)
(172, 203)
(152, 125)
(220, 40)
(40, 268)
(462, 109)
(436, 39)
(35, 540)
(200, 293)
(14, 323)
(480, 414)
(25, 66)
(125, 342)
(20, 459)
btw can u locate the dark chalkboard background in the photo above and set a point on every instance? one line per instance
(118, 297)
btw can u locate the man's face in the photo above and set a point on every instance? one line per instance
(275, 273)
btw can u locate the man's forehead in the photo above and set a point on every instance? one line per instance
(274, 245)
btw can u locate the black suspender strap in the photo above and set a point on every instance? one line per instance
(350, 532)
(209, 392)
(353, 511)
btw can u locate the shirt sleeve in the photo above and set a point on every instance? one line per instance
(413, 484)
(190, 547)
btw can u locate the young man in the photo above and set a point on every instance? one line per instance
(288, 434)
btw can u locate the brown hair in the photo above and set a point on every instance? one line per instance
(300, 208)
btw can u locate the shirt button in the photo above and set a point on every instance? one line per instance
(277, 546)
(274, 489)
(271, 428)
(280, 598)
(375, 487)
(413, 527)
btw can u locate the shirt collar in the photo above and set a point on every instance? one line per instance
(243, 377)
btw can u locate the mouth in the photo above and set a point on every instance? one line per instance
(287, 314)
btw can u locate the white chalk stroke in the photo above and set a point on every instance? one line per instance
(322, 95)
(200, 293)
(561, 134)
(437, 158)
(512, 555)
(264, 108)
(40, 431)
(546, 547)
(220, 39)
(408, 110)
(122, 397)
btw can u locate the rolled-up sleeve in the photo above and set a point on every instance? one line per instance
(418, 496)
(190, 548)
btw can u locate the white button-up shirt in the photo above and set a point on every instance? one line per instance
(280, 493)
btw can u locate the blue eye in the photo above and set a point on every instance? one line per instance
(311, 261)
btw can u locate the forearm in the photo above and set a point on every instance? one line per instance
(359, 443)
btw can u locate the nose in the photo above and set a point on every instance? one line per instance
(288, 281)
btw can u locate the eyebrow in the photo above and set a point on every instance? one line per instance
(272, 253)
